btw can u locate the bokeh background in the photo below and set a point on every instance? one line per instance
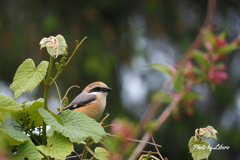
(124, 37)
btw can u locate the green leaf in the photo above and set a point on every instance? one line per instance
(27, 150)
(210, 132)
(5, 148)
(178, 81)
(228, 48)
(55, 45)
(192, 96)
(199, 149)
(28, 76)
(7, 104)
(100, 153)
(162, 68)
(74, 125)
(199, 57)
(31, 110)
(162, 97)
(57, 147)
(210, 37)
(13, 136)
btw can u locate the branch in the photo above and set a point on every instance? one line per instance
(135, 140)
(167, 112)
(208, 22)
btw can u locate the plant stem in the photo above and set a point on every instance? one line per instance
(46, 92)
(85, 151)
(75, 50)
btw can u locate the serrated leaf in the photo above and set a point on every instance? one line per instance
(7, 104)
(27, 150)
(162, 68)
(57, 147)
(28, 76)
(100, 153)
(199, 149)
(74, 125)
(31, 110)
(13, 136)
(55, 45)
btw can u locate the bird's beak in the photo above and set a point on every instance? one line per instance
(107, 89)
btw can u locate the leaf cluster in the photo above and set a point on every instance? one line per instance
(198, 146)
(23, 127)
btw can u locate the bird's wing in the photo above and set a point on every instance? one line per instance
(81, 100)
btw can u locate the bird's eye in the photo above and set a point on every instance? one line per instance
(96, 89)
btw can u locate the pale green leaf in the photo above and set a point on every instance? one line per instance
(55, 45)
(27, 150)
(199, 149)
(44, 42)
(74, 125)
(57, 147)
(100, 153)
(200, 58)
(162, 97)
(31, 110)
(35, 117)
(7, 104)
(178, 82)
(14, 137)
(228, 48)
(162, 68)
(192, 96)
(210, 132)
(28, 76)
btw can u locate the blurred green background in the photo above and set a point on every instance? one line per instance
(123, 38)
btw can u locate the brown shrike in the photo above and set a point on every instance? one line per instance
(91, 101)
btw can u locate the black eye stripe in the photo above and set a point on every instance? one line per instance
(96, 89)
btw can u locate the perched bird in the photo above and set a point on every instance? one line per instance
(91, 101)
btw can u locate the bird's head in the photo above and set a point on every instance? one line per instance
(97, 88)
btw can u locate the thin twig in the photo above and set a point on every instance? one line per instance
(59, 94)
(109, 125)
(134, 140)
(149, 151)
(75, 156)
(102, 121)
(167, 112)
(157, 148)
(61, 100)
(69, 59)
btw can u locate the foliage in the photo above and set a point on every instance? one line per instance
(24, 129)
(207, 66)
(199, 148)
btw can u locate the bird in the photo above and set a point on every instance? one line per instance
(91, 101)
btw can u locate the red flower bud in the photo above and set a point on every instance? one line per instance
(220, 42)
